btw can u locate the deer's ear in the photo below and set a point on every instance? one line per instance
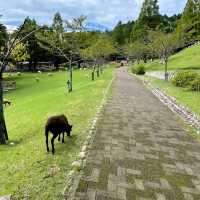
(71, 126)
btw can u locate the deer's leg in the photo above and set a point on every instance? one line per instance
(46, 134)
(63, 140)
(52, 143)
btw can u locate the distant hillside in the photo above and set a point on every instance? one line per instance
(187, 59)
(93, 26)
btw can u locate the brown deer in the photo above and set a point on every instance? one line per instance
(57, 125)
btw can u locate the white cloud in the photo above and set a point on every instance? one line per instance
(107, 12)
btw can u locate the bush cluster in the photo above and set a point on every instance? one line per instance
(187, 79)
(138, 69)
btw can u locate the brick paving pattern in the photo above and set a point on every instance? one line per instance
(140, 150)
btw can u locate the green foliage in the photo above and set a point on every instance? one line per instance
(168, 24)
(138, 50)
(149, 19)
(139, 32)
(163, 45)
(189, 24)
(102, 48)
(195, 84)
(149, 8)
(184, 79)
(20, 53)
(58, 23)
(122, 32)
(34, 50)
(138, 69)
(66, 44)
(3, 35)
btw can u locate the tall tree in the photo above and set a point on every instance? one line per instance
(122, 32)
(36, 53)
(63, 43)
(20, 53)
(3, 35)
(99, 50)
(168, 24)
(58, 23)
(138, 51)
(11, 42)
(57, 27)
(189, 24)
(164, 45)
(149, 19)
(150, 8)
(118, 33)
(3, 43)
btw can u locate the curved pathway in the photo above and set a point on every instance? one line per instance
(140, 150)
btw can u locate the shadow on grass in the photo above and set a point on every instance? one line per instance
(70, 144)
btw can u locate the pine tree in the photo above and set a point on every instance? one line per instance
(150, 8)
(189, 24)
(118, 33)
(58, 23)
(122, 32)
(3, 35)
(149, 19)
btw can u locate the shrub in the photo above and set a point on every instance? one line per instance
(138, 69)
(195, 84)
(50, 74)
(183, 79)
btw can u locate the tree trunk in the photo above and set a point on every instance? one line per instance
(56, 65)
(98, 70)
(30, 66)
(79, 64)
(3, 130)
(70, 75)
(101, 69)
(166, 71)
(92, 75)
(35, 65)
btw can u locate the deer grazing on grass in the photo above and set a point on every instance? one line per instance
(57, 125)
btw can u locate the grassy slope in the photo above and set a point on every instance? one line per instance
(184, 60)
(25, 164)
(187, 98)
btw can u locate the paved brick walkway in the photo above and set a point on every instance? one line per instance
(140, 151)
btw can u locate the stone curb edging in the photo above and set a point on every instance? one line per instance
(189, 117)
(77, 166)
(5, 197)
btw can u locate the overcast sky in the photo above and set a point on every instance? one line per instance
(104, 12)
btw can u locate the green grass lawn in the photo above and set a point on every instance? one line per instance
(184, 96)
(187, 59)
(24, 162)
